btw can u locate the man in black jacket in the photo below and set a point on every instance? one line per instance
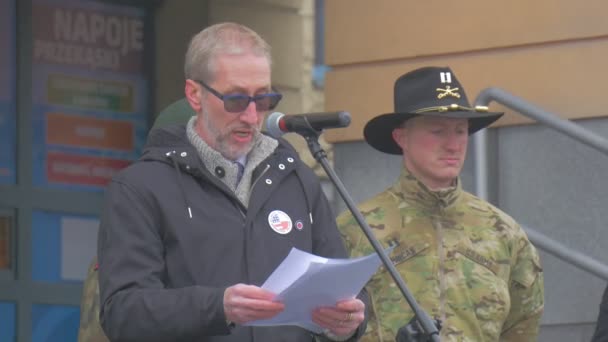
(190, 231)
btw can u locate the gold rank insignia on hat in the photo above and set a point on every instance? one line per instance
(446, 77)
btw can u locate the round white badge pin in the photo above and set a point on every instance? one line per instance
(279, 222)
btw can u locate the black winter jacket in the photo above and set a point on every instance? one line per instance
(173, 237)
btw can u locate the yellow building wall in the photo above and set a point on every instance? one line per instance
(550, 53)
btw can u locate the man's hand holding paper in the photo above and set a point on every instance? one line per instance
(319, 294)
(245, 303)
(342, 319)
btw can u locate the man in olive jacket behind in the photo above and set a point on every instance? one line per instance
(468, 264)
(192, 229)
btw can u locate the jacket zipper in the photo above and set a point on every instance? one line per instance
(260, 176)
(241, 210)
(441, 255)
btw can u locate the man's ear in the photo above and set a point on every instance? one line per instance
(399, 135)
(193, 95)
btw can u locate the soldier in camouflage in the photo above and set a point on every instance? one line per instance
(467, 263)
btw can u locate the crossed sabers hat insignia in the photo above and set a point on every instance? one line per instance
(448, 91)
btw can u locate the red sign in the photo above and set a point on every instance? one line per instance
(83, 170)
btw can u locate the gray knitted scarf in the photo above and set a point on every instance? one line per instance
(262, 149)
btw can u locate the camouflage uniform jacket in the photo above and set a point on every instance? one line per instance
(466, 262)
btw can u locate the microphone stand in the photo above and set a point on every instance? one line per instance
(421, 320)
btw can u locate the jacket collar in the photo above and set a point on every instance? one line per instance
(414, 191)
(170, 145)
(264, 146)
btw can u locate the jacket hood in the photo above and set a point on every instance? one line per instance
(166, 143)
(165, 139)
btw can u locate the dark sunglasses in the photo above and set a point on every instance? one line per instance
(236, 103)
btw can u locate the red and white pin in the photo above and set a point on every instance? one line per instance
(279, 222)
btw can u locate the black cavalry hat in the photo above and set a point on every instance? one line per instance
(426, 91)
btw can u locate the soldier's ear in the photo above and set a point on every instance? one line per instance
(399, 136)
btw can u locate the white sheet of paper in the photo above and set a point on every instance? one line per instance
(304, 281)
(293, 267)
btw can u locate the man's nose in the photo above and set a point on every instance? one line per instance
(455, 141)
(250, 114)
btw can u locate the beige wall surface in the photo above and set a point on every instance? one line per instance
(362, 30)
(550, 53)
(566, 79)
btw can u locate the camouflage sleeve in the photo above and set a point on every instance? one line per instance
(355, 241)
(527, 295)
(90, 328)
(357, 245)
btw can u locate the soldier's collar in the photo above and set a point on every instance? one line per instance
(414, 190)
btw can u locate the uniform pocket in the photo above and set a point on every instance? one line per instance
(482, 285)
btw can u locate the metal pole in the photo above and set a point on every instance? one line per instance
(480, 140)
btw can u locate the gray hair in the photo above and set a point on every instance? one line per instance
(223, 38)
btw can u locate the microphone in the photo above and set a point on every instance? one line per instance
(278, 124)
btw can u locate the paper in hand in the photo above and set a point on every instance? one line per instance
(304, 281)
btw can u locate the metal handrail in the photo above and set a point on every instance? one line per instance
(566, 127)
(568, 255)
